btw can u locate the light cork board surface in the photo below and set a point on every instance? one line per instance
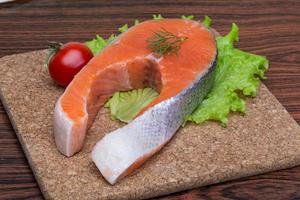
(263, 140)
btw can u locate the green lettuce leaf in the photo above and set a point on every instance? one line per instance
(111, 38)
(206, 21)
(96, 45)
(189, 17)
(123, 28)
(157, 16)
(237, 74)
(124, 106)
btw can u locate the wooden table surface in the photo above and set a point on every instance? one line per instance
(268, 27)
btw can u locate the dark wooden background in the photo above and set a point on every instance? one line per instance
(268, 27)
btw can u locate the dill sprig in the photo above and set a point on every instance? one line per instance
(165, 42)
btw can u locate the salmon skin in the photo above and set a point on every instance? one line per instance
(182, 80)
(126, 148)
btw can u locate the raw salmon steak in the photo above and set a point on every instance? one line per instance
(182, 80)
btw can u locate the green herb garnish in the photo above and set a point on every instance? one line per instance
(165, 42)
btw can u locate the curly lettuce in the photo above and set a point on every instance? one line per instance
(124, 106)
(237, 75)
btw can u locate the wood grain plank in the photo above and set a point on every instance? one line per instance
(268, 27)
(16, 178)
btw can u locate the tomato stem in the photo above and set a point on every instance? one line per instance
(54, 47)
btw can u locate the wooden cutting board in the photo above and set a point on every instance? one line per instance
(265, 139)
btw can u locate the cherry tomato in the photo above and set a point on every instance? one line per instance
(67, 61)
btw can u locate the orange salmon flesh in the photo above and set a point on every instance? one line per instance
(128, 64)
